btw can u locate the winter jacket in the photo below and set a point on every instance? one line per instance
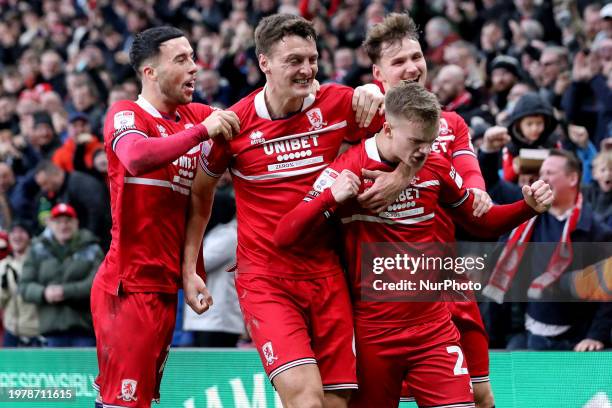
(20, 318)
(73, 266)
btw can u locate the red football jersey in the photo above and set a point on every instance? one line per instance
(453, 141)
(412, 218)
(273, 164)
(149, 211)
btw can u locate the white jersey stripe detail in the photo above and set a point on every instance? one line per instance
(157, 183)
(458, 405)
(428, 184)
(372, 218)
(127, 132)
(464, 152)
(291, 364)
(273, 176)
(347, 386)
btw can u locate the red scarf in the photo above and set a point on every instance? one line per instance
(511, 257)
(460, 100)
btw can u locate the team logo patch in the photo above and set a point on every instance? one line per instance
(128, 390)
(188, 125)
(325, 180)
(124, 119)
(444, 127)
(316, 119)
(268, 353)
(257, 137)
(162, 131)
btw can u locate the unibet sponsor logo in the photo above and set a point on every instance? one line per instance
(292, 148)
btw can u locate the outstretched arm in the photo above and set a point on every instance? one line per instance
(501, 219)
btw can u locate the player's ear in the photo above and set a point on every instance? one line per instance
(376, 72)
(149, 72)
(386, 128)
(264, 63)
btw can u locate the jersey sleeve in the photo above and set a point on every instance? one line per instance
(201, 110)
(123, 118)
(215, 157)
(453, 192)
(354, 134)
(462, 144)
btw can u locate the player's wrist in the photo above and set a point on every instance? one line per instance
(202, 131)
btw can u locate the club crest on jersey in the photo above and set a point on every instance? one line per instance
(268, 353)
(444, 130)
(188, 125)
(162, 131)
(316, 119)
(124, 119)
(257, 137)
(128, 390)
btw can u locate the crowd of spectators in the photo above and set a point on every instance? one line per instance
(531, 74)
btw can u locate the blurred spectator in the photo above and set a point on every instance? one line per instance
(548, 325)
(81, 191)
(465, 55)
(80, 138)
(505, 72)
(51, 103)
(211, 89)
(555, 76)
(577, 141)
(539, 11)
(344, 60)
(438, 35)
(20, 318)
(85, 100)
(516, 92)
(599, 191)
(492, 41)
(57, 275)
(449, 87)
(207, 52)
(588, 98)
(532, 125)
(592, 21)
(606, 25)
(52, 72)
(8, 116)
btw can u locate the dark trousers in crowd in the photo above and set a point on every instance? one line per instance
(215, 339)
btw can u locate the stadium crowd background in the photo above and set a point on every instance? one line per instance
(63, 63)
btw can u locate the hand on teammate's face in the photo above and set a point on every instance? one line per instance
(385, 190)
(539, 196)
(222, 124)
(368, 100)
(346, 186)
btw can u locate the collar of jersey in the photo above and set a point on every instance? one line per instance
(150, 109)
(373, 153)
(262, 109)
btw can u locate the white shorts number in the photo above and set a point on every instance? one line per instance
(458, 370)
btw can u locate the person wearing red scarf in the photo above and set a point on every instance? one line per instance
(555, 326)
